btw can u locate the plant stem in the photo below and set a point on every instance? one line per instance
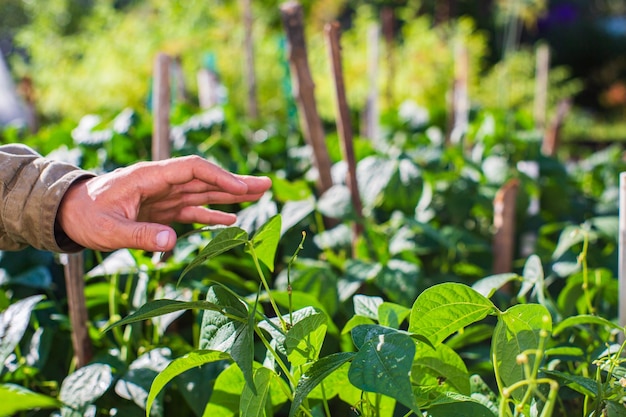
(266, 286)
(281, 364)
(583, 260)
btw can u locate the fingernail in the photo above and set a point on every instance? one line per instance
(162, 238)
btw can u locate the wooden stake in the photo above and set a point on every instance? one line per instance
(304, 91)
(344, 125)
(253, 110)
(77, 306)
(551, 138)
(504, 223)
(541, 86)
(161, 108)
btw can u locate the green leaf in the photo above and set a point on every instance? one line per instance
(458, 405)
(383, 366)
(366, 305)
(518, 331)
(446, 308)
(265, 241)
(13, 323)
(585, 319)
(224, 240)
(225, 400)
(363, 333)
(392, 315)
(14, 399)
(254, 400)
(356, 321)
(398, 280)
(489, 285)
(585, 386)
(316, 373)
(570, 236)
(221, 333)
(86, 385)
(440, 369)
(533, 278)
(304, 340)
(177, 367)
(163, 306)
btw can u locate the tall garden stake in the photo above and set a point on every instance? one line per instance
(77, 306)
(304, 91)
(504, 223)
(622, 250)
(550, 142)
(161, 108)
(253, 109)
(344, 125)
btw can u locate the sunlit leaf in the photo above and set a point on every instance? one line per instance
(367, 306)
(13, 323)
(489, 285)
(159, 307)
(265, 241)
(255, 401)
(177, 367)
(585, 319)
(304, 339)
(86, 385)
(392, 315)
(518, 332)
(444, 309)
(14, 398)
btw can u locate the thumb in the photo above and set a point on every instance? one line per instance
(150, 237)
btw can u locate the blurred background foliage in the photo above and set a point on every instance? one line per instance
(96, 56)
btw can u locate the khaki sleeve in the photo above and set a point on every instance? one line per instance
(31, 188)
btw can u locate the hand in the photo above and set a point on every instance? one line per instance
(132, 207)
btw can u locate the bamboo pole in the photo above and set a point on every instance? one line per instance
(622, 252)
(253, 108)
(504, 224)
(77, 307)
(344, 126)
(161, 108)
(304, 91)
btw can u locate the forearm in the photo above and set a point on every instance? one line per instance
(31, 189)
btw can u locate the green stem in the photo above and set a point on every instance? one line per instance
(279, 361)
(266, 286)
(325, 400)
(583, 260)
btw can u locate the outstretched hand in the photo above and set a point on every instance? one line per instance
(132, 207)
